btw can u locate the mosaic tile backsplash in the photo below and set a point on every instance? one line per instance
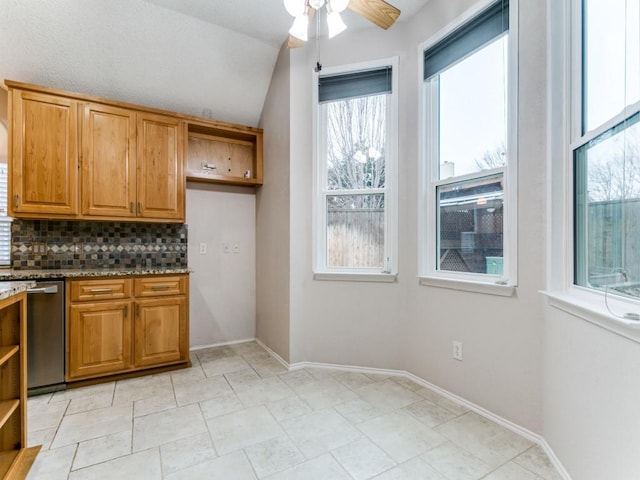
(49, 244)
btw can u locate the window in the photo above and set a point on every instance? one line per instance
(468, 196)
(606, 148)
(355, 205)
(5, 222)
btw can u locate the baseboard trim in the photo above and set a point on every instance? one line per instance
(509, 425)
(222, 344)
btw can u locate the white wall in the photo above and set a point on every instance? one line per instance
(272, 216)
(134, 51)
(223, 285)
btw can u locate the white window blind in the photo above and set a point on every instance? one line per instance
(5, 221)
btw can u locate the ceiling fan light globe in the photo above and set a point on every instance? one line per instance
(300, 27)
(335, 24)
(338, 6)
(295, 8)
(317, 4)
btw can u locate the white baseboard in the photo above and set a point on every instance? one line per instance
(222, 344)
(509, 425)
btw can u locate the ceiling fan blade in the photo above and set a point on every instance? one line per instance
(295, 42)
(377, 11)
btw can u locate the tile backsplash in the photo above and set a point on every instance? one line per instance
(48, 244)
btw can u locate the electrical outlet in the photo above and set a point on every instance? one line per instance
(203, 248)
(236, 248)
(226, 248)
(457, 350)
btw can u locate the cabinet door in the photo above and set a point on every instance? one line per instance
(160, 167)
(44, 160)
(99, 338)
(160, 331)
(108, 161)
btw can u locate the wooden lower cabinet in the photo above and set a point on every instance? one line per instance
(160, 333)
(108, 334)
(100, 338)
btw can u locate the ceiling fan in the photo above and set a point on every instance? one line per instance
(379, 12)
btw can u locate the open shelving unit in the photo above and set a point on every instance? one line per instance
(223, 153)
(15, 457)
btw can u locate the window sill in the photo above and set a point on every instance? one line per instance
(357, 277)
(469, 286)
(595, 313)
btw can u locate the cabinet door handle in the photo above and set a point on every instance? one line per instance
(131, 207)
(137, 310)
(126, 310)
(160, 287)
(16, 199)
(101, 290)
(139, 207)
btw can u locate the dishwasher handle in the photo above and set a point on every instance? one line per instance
(47, 289)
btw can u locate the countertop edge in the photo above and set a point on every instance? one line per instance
(21, 275)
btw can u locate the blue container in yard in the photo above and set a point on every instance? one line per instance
(494, 265)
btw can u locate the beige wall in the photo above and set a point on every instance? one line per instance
(273, 211)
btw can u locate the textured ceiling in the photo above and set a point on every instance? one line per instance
(264, 20)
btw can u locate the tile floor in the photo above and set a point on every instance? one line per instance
(238, 414)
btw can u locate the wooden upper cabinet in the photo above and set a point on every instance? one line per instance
(108, 161)
(160, 167)
(44, 158)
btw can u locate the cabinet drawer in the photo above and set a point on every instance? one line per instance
(160, 286)
(104, 289)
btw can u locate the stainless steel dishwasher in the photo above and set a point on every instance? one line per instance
(45, 337)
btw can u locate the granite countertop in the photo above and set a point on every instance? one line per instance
(78, 273)
(9, 289)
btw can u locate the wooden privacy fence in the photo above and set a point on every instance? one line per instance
(355, 237)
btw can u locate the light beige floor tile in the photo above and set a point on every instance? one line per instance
(36, 400)
(387, 395)
(401, 436)
(414, 469)
(148, 406)
(42, 438)
(85, 404)
(186, 453)
(536, 461)
(378, 377)
(512, 471)
(223, 365)
(486, 440)
(455, 462)
(429, 413)
(43, 416)
(83, 392)
(443, 402)
(53, 464)
(319, 432)
(406, 383)
(324, 467)
(195, 372)
(322, 373)
(94, 424)
(358, 411)
(214, 353)
(325, 393)
(102, 449)
(247, 375)
(257, 357)
(222, 405)
(247, 347)
(201, 390)
(362, 459)
(290, 407)
(142, 465)
(354, 380)
(140, 388)
(273, 456)
(234, 466)
(164, 427)
(297, 378)
(242, 429)
(268, 368)
(263, 391)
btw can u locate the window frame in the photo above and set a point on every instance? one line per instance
(429, 274)
(390, 270)
(564, 131)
